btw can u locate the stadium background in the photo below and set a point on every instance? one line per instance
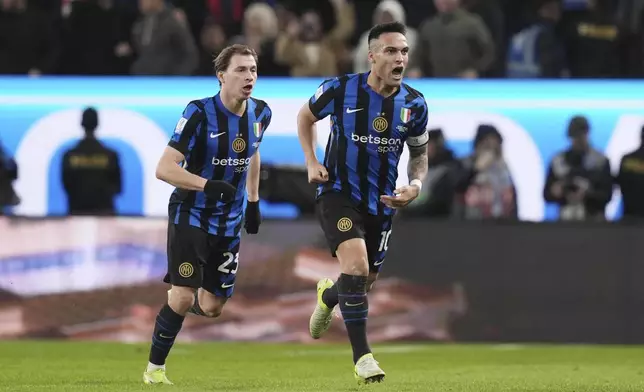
(536, 280)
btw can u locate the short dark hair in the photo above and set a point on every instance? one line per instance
(222, 61)
(391, 27)
(578, 126)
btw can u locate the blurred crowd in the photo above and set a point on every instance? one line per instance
(480, 185)
(447, 38)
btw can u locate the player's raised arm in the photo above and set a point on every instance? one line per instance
(417, 166)
(319, 106)
(417, 143)
(181, 144)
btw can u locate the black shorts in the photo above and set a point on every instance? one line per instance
(198, 259)
(342, 220)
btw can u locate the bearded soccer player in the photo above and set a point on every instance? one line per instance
(213, 161)
(372, 115)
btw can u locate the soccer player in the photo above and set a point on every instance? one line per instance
(372, 115)
(213, 160)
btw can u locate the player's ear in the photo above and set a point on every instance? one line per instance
(220, 76)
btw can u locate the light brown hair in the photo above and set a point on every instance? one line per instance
(222, 61)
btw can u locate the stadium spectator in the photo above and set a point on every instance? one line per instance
(604, 39)
(227, 13)
(8, 174)
(592, 42)
(630, 179)
(454, 43)
(537, 51)
(341, 33)
(304, 49)
(417, 10)
(91, 172)
(162, 42)
(492, 15)
(28, 43)
(259, 26)
(437, 196)
(260, 30)
(91, 35)
(386, 11)
(579, 179)
(326, 9)
(485, 188)
(213, 40)
(630, 16)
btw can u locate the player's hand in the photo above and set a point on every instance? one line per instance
(403, 196)
(317, 173)
(253, 217)
(219, 190)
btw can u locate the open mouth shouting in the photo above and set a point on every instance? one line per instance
(247, 89)
(397, 73)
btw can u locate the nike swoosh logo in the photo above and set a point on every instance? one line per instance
(165, 337)
(349, 111)
(358, 304)
(213, 136)
(225, 286)
(379, 262)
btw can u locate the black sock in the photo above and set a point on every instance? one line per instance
(168, 325)
(330, 296)
(352, 295)
(195, 308)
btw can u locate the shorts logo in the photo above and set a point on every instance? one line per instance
(345, 224)
(239, 145)
(380, 124)
(186, 270)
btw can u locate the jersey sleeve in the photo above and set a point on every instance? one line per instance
(418, 135)
(265, 122)
(187, 129)
(323, 101)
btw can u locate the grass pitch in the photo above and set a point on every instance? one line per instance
(83, 366)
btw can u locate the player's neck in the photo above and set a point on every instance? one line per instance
(233, 105)
(378, 85)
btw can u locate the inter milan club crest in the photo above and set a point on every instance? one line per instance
(257, 128)
(405, 115)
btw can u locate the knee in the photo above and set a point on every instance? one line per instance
(181, 298)
(352, 255)
(358, 267)
(212, 311)
(211, 306)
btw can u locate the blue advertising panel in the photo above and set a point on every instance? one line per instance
(40, 118)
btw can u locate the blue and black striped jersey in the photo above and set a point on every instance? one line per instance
(368, 132)
(218, 145)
